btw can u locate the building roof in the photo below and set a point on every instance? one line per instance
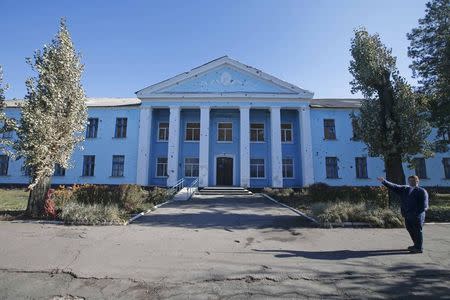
(335, 103)
(91, 102)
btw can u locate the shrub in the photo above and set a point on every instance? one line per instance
(91, 214)
(358, 212)
(438, 213)
(62, 196)
(157, 196)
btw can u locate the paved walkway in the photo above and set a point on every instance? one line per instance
(219, 248)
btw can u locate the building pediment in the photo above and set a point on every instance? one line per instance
(224, 77)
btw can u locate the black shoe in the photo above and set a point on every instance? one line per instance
(411, 248)
(415, 250)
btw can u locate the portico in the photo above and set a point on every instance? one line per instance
(224, 123)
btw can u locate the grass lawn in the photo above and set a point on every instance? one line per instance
(13, 199)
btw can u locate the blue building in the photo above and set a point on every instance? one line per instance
(224, 123)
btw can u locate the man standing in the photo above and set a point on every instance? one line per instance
(414, 203)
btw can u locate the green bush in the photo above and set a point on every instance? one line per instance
(91, 214)
(438, 213)
(157, 195)
(345, 211)
(321, 192)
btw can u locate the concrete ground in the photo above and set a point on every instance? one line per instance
(214, 248)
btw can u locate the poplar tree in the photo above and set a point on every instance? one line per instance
(6, 124)
(53, 115)
(392, 120)
(430, 51)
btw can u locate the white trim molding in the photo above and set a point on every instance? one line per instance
(143, 159)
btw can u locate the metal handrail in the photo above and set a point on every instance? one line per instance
(192, 188)
(176, 187)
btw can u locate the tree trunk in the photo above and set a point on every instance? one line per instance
(36, 199)
(395, 174)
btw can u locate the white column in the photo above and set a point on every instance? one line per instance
(277, 162)
(245, 146)
(173, 145)
(143, 159)
(204, 147)
(306, 146)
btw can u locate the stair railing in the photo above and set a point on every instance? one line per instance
(176, 187)
(192, 188)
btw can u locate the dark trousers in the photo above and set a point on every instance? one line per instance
(414, 225)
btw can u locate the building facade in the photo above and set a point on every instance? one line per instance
(227, 124)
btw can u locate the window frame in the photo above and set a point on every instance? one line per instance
(336, 165)
(263, 129)
(325, 127)
(4, 164)
(96, 129)
(283, 167)
(366, 172)
(192, 131)
(192, 167)
(159, 163)
(446, 165)
(291, 130)
(257, 168)
(121, 128)
(61, 173)
(91, 165)
(118, 166)
(166, 130)
(424, 166)
(226, 129)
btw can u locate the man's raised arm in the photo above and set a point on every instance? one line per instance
(392, 186)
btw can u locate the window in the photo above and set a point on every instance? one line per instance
(163, 132)
(331, 167)
(7, 133)
(329, 129)
(225, 132)
(59, 171)
(257, 168)
(286, 133)
(446, 162)
(421, 167)
(88, 165)
(191, 167)
(192, 131)
(257, 132)
(118, 162)
(121, 128)
(288, 168)
(92, 128)
(356, 136)
(4, 162)
(161, 167)
(361, 167)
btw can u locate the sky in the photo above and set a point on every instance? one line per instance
(128, 45)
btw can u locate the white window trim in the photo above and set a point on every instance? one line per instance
(112, 166)
(185, 132)
(292, 133)
(232, 133)
(156, 167)
(250, 172)
(157, 132)
(184, 167)
(264, 132)
(293, 167)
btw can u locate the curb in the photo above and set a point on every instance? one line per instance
(145, 212)
(291, 208)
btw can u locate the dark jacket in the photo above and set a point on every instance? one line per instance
(414, 199)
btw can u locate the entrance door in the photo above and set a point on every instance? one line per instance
(224, 171)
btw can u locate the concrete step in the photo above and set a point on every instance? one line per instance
(221, 190)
